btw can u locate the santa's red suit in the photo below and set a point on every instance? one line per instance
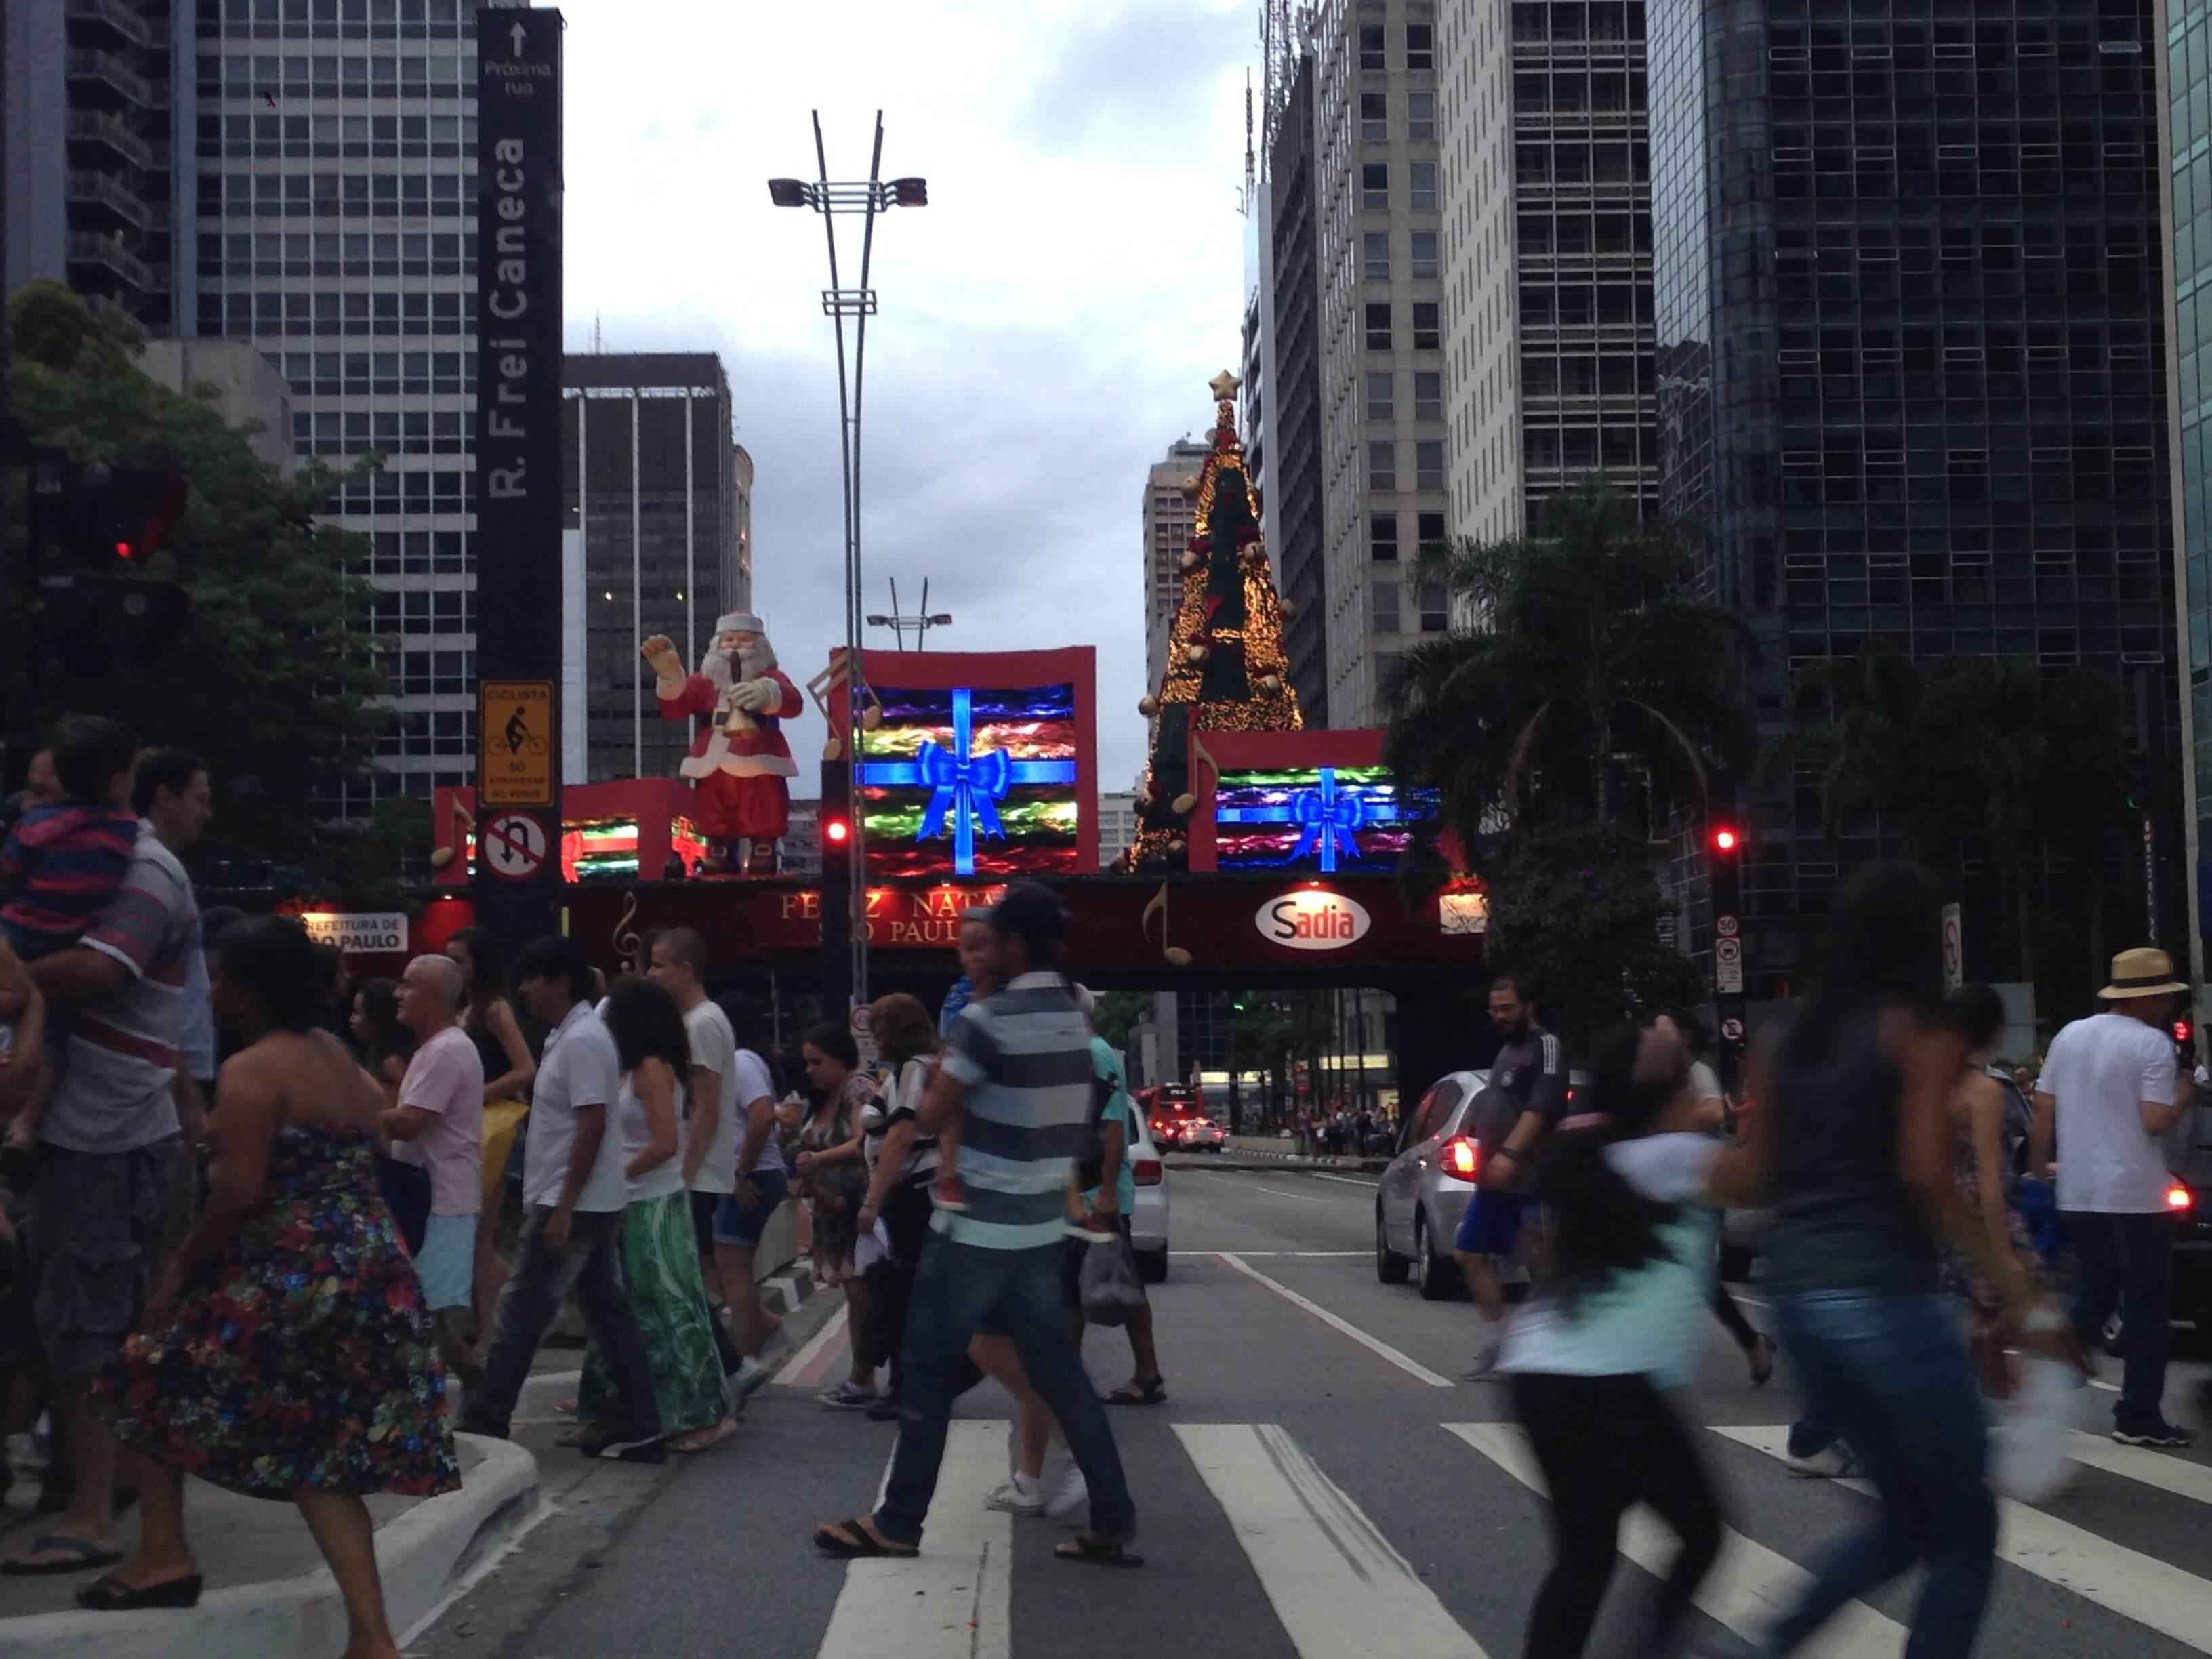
(738, 776)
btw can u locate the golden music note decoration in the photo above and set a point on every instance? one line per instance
(461, 822)
(625, 939)
(1176, 956)
(1184, 803)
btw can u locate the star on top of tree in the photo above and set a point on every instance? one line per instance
(1224, 386)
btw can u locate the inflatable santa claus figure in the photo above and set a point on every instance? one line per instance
(739, 758)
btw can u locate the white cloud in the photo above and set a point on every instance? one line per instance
(1048, 324)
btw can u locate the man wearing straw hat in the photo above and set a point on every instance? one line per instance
(739, 758)
(2108, 1092)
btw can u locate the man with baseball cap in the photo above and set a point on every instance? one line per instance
(2109, 1091)
(739, 759)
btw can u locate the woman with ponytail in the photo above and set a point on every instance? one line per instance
(1629, 1187)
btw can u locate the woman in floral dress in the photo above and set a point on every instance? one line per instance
(287, 1352)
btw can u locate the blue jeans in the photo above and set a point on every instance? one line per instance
(958, 1288)
(2128, 1259)
(1890, 1374)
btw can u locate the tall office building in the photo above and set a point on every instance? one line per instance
(2188, 162)
(89, 131)
(650, 479)
(1289, 295)
(1170, 517)
(1117, 826)
(1548, 322)
(1911, 341)
(331, 222)
(1381, 290)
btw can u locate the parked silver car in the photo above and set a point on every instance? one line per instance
(1419, 1200)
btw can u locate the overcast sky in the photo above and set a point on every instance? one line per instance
(1048, 324)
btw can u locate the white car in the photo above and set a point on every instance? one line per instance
(1148, 1226)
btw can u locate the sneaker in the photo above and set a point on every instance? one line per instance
(1018, 1495)
(846, 1396)
(1092, 1230)
(1067, 1495)
(1833, 1462)
(947, 1193)
(743, 1383)
(1486, 1358)
(2159, 1433)
(885, 1410)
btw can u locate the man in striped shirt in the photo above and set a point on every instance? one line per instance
(1017, 1069)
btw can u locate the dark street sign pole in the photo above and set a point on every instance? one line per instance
(518, 475)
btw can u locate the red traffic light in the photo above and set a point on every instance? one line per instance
(2183, 1031)
(836, 831)
(1725, 839)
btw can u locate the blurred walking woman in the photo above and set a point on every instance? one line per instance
(1630, 1185)
(659, 1253)
(1864, 1189)
(487, 1017)
(832, 1175)
(240, 1375)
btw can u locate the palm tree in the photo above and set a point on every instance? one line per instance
(1587, 661)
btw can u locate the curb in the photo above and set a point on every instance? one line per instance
(421, 1555)
(1236, 1157)
(782, 1293)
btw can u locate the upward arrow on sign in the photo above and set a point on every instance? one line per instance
(518, 34)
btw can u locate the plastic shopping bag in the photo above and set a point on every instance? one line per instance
(872, 1247)
(2028, 1460)
(1110, 1291)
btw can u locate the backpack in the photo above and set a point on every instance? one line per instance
(2019, 1121)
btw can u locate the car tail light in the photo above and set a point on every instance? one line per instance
(1148, 1172)
(2178, 1197)
(1463, 1157)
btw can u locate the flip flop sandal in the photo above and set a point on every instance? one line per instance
(86, 1557)
(1089, 1552)
(700, 1440)
(1150, 1393)
(850, 1540)
(106, 1594)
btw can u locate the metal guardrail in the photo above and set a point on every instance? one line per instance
(86, 248)
(126, 22)
(85, 185)
(91, 126)
(91, 63)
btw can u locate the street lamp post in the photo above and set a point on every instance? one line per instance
(920, 620)
(866, 198)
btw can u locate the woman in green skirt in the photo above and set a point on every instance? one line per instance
(660, 1256)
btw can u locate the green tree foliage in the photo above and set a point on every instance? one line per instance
(1592, 692)
(1118, 1013)
(273, 678)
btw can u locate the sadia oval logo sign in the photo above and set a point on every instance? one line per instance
(1308, 920)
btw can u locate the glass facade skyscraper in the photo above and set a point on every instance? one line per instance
(2189, 135)
(1911, 364)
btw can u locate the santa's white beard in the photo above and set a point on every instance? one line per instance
(751, 664)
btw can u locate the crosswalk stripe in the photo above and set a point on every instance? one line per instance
(793, 1370)
(2154, 1468)
(1374, 1344)
(1340, 1587)
(954, 1599)
(2136, 1586)
(1749, 1587)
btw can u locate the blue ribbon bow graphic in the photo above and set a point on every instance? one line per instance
(963, 786)
(1326, 819)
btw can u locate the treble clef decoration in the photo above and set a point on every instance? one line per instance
(626, 939)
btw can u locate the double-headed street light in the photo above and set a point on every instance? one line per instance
(866, 198)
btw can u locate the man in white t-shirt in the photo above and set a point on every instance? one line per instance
(573, 1191)
(438, 1127)
(2108, 1090)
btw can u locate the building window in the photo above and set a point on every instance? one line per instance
(1423, 178)
(1374, 256)
(1435, 614)
(1378, 328)
(1382, 465)
(1375, 185)
(1421, 46)
(1383, 538)
(1379, 396)
(1428, 331)
(1420, 115)
(1431, 527)
(1428, 396)
(1386, 607)
(1429, 464)
(1374, 116)
(1372, 50)
(1424, 253)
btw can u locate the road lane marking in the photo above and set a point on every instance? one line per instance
(2142, 1588)
(1297, 1256)
(1749, 1587)
(1334, 1581)
(2154, 1468)
(833, 1328)
(954, 1599)
(1413, 1368)
(1349, 1181)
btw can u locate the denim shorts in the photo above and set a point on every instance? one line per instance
(1491, 1224)
(446, 1262)
(736, 1224)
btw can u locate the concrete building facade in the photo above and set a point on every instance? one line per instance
(1170, 516)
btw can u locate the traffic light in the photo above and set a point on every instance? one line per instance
(1725, 839)
(2184, 1032)
(835, 832)
(92, 528)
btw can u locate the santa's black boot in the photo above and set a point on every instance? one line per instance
(764, 860)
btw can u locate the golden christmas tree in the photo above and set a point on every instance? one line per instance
(1226, 671)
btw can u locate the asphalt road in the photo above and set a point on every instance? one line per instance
(1318, 1485)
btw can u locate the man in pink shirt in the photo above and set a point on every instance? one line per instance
(439, 1125)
